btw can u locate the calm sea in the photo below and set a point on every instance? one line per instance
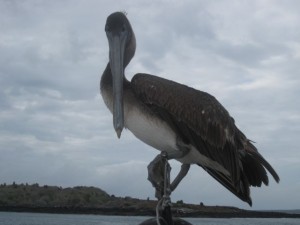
(10, 218)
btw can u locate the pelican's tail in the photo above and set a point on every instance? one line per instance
(254, 167)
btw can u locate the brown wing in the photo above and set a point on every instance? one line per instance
(199, 119)
(200, 111)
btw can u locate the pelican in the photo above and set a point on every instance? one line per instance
(189, 125)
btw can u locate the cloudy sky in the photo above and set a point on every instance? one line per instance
(56, 130)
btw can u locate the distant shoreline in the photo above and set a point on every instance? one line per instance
(93, 200)
(131, 211)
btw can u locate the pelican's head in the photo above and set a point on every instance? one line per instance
(121, 42)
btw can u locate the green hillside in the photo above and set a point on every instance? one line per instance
(51, 196)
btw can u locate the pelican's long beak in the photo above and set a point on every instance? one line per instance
(116, 59)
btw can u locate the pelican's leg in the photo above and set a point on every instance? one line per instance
(156, 171)
(182, 173)
(184, 150)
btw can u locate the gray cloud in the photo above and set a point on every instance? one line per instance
(55, 129)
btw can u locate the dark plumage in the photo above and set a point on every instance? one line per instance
(196, 118)
(204, 123)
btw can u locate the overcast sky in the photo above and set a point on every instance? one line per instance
(56, 130)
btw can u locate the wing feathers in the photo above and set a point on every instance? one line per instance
(205, 115)
(201, 121)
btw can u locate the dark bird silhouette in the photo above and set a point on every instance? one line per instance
(178, 119)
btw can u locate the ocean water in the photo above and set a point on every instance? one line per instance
(11, 218)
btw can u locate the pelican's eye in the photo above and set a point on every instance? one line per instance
(123, 28)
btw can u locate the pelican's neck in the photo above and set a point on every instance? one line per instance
(106, 79)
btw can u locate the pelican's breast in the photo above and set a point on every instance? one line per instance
(149, 128)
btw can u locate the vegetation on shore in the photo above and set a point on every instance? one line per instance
(92, 200)
(51, 196)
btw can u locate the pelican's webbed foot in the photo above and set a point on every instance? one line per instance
(159, 170)
(156, 176)
(159, 175)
